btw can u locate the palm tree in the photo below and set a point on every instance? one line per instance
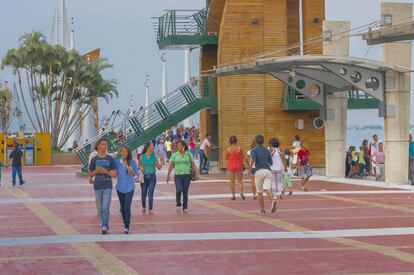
(59, 85)
(6, 99)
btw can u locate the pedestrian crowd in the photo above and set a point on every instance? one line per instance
(270, 169)
(368, 159)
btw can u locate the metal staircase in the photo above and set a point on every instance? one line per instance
(149, 122)
(181, 29)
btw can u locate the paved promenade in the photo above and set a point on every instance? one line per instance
(49, 226)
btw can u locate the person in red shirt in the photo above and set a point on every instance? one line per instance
(304, 167)
(235, 167)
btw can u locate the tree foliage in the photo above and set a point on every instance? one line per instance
(57, 86)
(6, 100)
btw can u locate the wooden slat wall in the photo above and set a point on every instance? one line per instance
(250, 104)
(293, 25)
(215, 13)
(313, 9)
(208, 59)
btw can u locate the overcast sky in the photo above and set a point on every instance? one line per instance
(125, 35)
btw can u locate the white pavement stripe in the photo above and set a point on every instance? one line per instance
(208, 236)
(205, 196)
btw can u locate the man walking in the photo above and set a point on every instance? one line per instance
(262, 160)
(17, 164)
(203, 154)
(103, 168)
(373, 147)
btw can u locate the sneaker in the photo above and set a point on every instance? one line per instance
(104, 230)
(273, 209)
(185, 211)
(262, 212)
(126, 231)
(14, 183)
(22, 182)
(150, 212)
(178, 209)
(144, 210)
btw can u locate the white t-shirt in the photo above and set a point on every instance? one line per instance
(277, 161)
(205, 144)
(297, 144)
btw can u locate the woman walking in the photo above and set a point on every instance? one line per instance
(348, 161)
(235, 167)
(252, 179)
(277, 168)
(296, 146)
(148, 164)
(125, 186)
(183, 163)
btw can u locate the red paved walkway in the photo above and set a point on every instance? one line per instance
(73, 213)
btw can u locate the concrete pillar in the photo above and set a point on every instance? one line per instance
(397, 96)
(337, 103)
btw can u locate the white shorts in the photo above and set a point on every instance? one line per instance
(263, 180)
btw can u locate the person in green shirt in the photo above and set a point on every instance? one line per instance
(148, 164)
(361, 161)
(182, 161)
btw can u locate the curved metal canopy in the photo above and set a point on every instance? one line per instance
(315, 76)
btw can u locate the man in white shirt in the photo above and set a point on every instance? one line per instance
(373, 147)
(202, 153)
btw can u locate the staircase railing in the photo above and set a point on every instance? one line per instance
(142, 121)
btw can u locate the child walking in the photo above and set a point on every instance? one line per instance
(287, 175)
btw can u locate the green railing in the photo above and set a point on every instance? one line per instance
(183, 27)
(294, 101)
(153, 120)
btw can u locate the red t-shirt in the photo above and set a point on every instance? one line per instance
(303, 156)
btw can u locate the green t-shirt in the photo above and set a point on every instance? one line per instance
(148, 164)
(182, 163)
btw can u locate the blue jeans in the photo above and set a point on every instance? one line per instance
(361, 169)
(18, 170)
(125, 200)
(148, 188)
(104, 197)
(203, 161)
(182, 185)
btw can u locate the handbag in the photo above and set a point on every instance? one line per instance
(192, 173)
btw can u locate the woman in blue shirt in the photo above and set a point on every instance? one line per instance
(148, 164)
(127, 170)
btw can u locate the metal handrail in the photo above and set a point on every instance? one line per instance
(290, 93)
(150, 116)
(181, 22)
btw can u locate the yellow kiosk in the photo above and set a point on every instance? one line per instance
(36, 148)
